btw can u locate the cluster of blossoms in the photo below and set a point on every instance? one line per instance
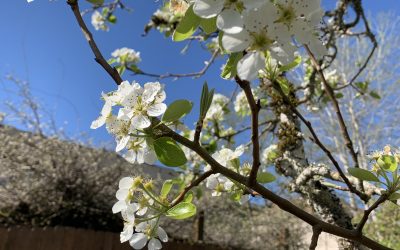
(219, 183)
(140, 226)
(218, 108)
(126, 56)
(258, 26)
(270, 154)
(99, 21)
(137, 106)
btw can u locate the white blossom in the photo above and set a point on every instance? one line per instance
(99, 21)
(139, 151)
(126, 56)
(148, 231)
(228, 12)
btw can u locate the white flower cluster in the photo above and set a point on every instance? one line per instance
(99, 21)
(126, 56)
(270, 154)
(137, 106)
(138, 230)
(219, 183)
(217, 108)
(257, 26)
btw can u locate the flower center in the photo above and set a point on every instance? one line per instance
(287, 14)
(261, 41)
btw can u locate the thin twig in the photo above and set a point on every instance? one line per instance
(174, 75)
(255, 109)
(89, 38)
(193, 184)
(367, 212)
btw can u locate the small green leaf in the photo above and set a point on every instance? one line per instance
(296, 62)
(166, 188)
(188, 197)
(168, 152)
(208, 25)
(230, 69)
(264, 177)
(97, 2)
(394, 196)
(112, 60)
(375, 95)
(339, 95)
(177, 110)
(187, 26)
(363, 174)
(205, 100)
(235, 196)
(182, 211)
(388, 162)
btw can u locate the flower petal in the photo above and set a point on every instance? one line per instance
(162, 234)
(249, 66)
(121, 194)
(98, 122)
(236, 42)
(156, 109)
(130, 156)
(154, 244)
(119, 206)
(127, 233)
(208, 8)
(230, 21)
(122, 143)
(140, 121)
(138, 240)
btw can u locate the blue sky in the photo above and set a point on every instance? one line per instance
(42, 43)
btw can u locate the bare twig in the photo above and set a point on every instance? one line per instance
(89, 38)
(367, 212)
(193, 184)
(174, 75)
(255, 109)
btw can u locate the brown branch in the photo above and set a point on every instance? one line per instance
(255, 109)
(367, 212)
(317, 141)
(193, 74)
(314, 239)
(193, 184)
(267, 194)
(89, 38)
(329, 91)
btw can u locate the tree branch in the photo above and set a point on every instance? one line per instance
(89, 38)
(314, 239)
(367, 212)
(255, 109)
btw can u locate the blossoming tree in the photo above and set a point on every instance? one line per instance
(263, 42)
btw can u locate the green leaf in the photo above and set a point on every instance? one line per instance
(339, 95)
(388, 162)
(264, 177)
(235, 196)
(168, 152)
(188, 197)
(97, 2)
(166, 188)
(230, 69)
(177, 110)
(394, 196)
(182, 211)
(187, 26)
(205, 100)
(291, 65)
(208, 25)
(375, 95)
(363, 174)
(112, 60)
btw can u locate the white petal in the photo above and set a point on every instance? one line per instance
(125, 182)
(154, 244)
(252, 4)
(230, 21)
(142, 211)
(127, 233)
(125, 114)
(156, 109)
(228, 185)
(236, 42)
(138, 240)
(140, 155)
(149, 156)
(162, 234)
(249, 66)
(122, 143)
(119, 206)
(130, 156)
(122, 194)
(98, 122)
(212, 181)
(150, 91)
(208, 8)
(140, 121)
